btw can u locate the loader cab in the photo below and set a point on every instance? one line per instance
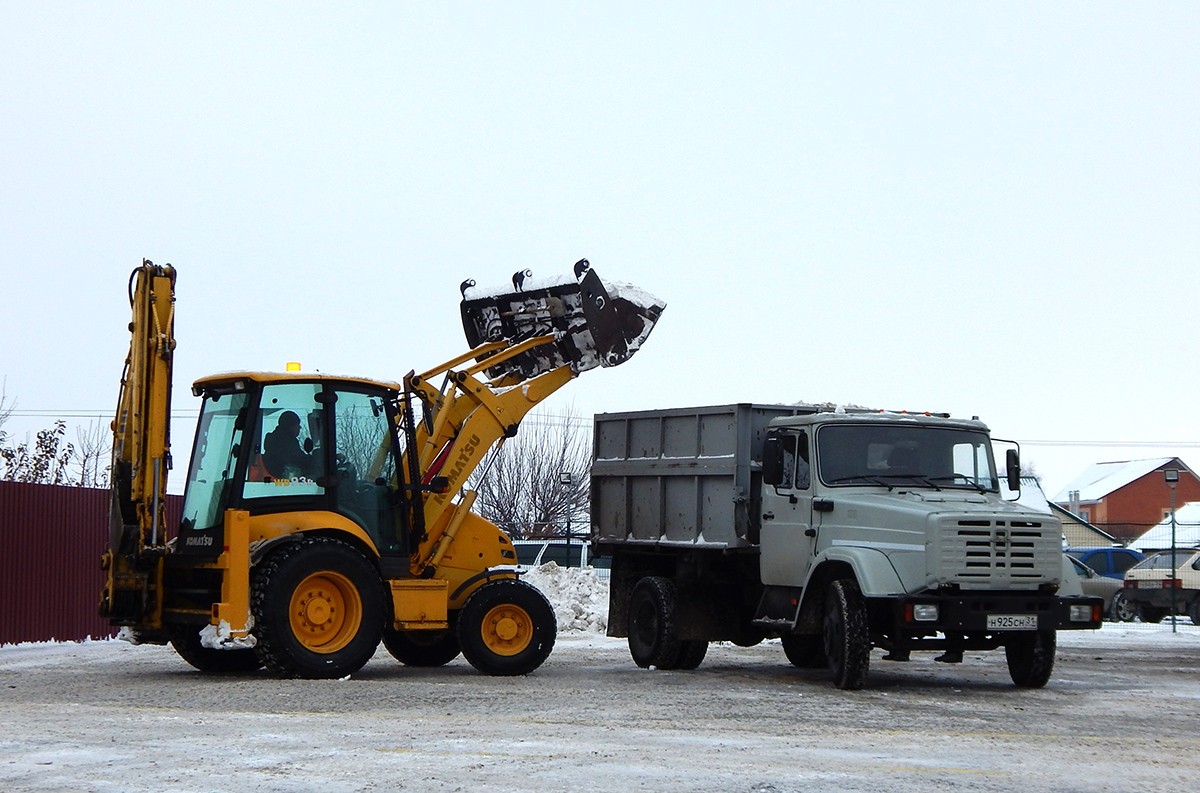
(273, 444)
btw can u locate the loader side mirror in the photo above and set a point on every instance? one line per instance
(1013, 463)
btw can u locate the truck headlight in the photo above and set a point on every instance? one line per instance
(1081, 613)
(925, 612)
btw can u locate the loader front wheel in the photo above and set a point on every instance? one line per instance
(506, 628)
(318, 609)
(186, 642)
(421, 648)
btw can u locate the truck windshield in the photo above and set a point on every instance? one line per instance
(892, 455)
(213, 456)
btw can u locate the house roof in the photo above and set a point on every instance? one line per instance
(1100, 479)
(1032, 496)
(1187, 530)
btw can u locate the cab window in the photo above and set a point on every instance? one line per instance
(287, 458)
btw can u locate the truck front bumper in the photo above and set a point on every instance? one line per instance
(993, 613)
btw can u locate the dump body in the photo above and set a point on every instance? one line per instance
(744, 521)
(683, 477)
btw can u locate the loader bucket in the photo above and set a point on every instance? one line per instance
(597, 323)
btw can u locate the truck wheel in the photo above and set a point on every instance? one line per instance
(1123, 609)
(186, 642)
(318, 609)
(507, 627)
(691, 653)
(847, 640)
(1031, 657)
(652, 631)
(421, 648)
(805, 651)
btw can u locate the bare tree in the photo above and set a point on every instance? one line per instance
(44, 462)
(90, 457)
(536, 485)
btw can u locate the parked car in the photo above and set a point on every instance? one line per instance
(1092, 583)
(1111, 562)
(1148, 586)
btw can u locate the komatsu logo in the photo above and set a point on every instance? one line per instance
(202, 540)
(460, 462)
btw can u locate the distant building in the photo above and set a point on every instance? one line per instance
(1187, 530)
(1077, 532)
(1125, 499)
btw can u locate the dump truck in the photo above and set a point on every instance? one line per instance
(322, 514)
(836, 530)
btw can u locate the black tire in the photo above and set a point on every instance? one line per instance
(1031, 657)
(421, 648)
(1153, 615)
(653, 637)
(847, 640)
(1194, 611)
(186, 642)
(805, 651)
(506, 628)
(691, 653)
(1122, 608)
(318, 609)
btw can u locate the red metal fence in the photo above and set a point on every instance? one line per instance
(51, 541)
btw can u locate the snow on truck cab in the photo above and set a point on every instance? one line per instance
(838, 531)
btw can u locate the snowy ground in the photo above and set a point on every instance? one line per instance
(1121, 713)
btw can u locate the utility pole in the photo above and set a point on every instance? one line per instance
(1171, 475)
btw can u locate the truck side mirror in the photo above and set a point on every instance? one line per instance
(772, 461)
(1013, 460)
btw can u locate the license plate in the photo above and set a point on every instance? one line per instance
(1149, 584)
(1012, 622)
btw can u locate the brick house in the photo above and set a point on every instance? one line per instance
(1128, 497)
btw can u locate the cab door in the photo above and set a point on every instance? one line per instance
(788, 535)
(364, 460)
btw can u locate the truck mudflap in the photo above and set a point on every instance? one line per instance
(597, 323)
(994, 613)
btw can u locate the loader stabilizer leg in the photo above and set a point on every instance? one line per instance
(231, 620)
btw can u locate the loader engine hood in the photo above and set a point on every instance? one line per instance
(597, 323)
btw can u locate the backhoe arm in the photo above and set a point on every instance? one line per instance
(141, 452)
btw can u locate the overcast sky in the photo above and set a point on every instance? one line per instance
(983, 208)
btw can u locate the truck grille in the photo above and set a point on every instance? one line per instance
(998, 554)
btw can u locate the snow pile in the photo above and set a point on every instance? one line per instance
(579, 597)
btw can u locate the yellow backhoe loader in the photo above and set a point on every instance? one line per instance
(324, 514)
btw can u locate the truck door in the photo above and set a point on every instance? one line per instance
(788, 534)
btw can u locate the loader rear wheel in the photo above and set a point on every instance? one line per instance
(1030, 657)
(421, 648)
(653, 637)
(186, 642)
(847, 639)
(318, 609)
(506, 628)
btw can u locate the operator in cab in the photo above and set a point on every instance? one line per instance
(282, 453)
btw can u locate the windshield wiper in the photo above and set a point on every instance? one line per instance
(967, 480)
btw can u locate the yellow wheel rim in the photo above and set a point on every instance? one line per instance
(507, 629)
(326, 611)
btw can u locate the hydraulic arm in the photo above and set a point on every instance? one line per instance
(142, 452)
